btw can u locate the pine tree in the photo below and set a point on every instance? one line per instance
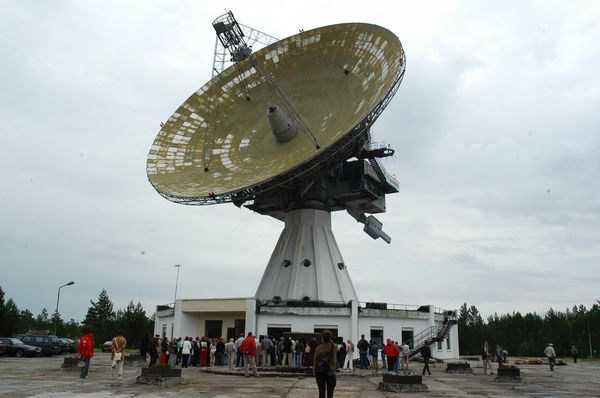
(100, 318)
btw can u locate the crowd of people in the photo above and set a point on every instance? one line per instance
(325, 357)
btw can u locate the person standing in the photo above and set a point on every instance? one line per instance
(341, 355)
(398, 358)
(117, 347)
(144, 345)
(287, 351)
(405, 354)
(373, 351)
(153, 351)
(239, 356)
(186, 350)
(164, 350)
(86, 352)
(325, 365)
(391, 354)
(231, 351)
(299, 348)
(486, 357)
(220, 352)
(266, 346)
(574, 352)
(348, 363)
(248, 348)
(551, 354)
(426, 354)
(172, 351)
(363, 352)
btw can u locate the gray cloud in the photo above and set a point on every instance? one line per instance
(495, 130)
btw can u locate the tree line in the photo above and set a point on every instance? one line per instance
(101, 317)
(527, 335)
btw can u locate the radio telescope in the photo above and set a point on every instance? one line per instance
(285, 132)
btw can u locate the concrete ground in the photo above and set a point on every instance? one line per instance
(43, 377)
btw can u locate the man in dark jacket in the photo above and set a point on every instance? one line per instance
(426, 354)
(363, 351)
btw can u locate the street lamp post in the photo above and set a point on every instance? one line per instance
(176, 282)
(57, 300)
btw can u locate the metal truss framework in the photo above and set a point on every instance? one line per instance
(222, 58)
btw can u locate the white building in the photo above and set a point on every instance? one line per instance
(231, 317)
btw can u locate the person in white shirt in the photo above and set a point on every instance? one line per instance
(405, 352)
(186, 349)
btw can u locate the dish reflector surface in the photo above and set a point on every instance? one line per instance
(218, 145)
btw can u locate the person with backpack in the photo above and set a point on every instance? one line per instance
(325, 364)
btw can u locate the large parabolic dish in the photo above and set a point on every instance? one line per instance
(219, 147)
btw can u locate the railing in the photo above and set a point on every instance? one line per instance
(431, 334)
(164, 307)
(391, 306)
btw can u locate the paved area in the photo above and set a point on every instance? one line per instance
(43, 377)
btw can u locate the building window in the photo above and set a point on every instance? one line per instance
(172, 330)
(164, 330)
(448, 342)
(439, 345)
(213, 329)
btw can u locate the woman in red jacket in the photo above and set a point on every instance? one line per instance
(86, 352)
(391, 352)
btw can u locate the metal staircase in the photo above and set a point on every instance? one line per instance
(432, 334)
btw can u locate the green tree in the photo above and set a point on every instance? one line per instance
(26, 321)
(11, 318)
(133, 323)
(3, 315)
(100, 318)
(42, 323)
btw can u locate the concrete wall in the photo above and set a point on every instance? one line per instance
(190, 315)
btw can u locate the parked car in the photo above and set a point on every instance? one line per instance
(67, 345)
(48, 343)
(107, 346)
(2, 348)
(16, 347)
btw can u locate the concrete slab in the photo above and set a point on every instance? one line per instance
(43, 377)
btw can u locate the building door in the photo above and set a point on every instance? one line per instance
(377, 336)
(213, 329)
(334, 331)
(407, 335)
(240, 327)
(277, 331)
(231, 334)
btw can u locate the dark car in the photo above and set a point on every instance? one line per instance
(2, 348)
(67, 345)
(48, 343)
(107, 346)
(16, 347)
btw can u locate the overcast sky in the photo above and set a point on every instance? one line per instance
(496, 128)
